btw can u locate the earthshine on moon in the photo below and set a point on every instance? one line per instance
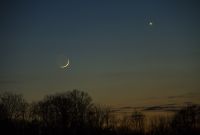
(65, 66)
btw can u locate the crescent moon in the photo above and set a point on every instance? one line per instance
(65, 66)
(150, 23)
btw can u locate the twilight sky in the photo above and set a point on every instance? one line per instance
(115, 55)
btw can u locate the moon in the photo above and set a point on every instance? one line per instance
(65, 66)
(150, 23)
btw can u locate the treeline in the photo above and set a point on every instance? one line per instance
(74, 113)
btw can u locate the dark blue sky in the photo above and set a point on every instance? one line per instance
(114, 54)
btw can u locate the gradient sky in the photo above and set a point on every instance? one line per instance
(114, 54)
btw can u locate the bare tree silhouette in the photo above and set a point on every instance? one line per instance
(160, 125)
(137, 122)
(14, 105)
(186, 121)
(74, 113)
